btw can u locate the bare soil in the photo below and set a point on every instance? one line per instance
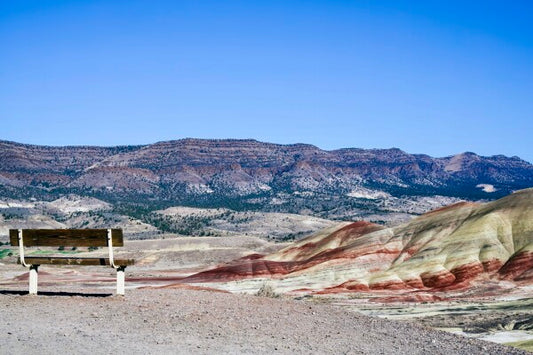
(75, 312)
(150, 321)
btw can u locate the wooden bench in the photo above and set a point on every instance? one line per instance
(69, 238)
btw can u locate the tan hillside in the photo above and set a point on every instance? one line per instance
(443, 250)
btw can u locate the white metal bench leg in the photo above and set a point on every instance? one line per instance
(33, 279)
(120, 280)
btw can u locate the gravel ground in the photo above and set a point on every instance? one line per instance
(156, 321)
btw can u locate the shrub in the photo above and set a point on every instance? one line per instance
(267, 290)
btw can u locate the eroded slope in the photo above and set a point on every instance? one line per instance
(447, 249)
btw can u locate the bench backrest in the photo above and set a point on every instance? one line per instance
(66, 237)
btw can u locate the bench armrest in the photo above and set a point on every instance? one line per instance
(21, 248)
(110, 247)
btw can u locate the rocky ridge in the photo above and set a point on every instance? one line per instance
(351, 183)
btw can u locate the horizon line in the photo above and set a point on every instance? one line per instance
(253, 140)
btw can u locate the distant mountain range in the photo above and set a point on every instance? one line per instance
(251, 175)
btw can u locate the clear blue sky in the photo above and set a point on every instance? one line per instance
(435, 77)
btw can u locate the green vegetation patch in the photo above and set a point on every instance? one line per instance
(524, 345)
(5, 252)
(41, 252)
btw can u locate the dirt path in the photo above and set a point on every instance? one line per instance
(149, 321)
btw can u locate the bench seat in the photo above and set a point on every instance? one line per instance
(62, 238)
(64, 260)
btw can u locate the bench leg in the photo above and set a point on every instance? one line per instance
(33, 279)
(120, 280)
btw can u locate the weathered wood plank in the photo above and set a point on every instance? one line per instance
(66, 237)
(59, 260)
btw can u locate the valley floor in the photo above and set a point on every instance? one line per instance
(76, 313)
